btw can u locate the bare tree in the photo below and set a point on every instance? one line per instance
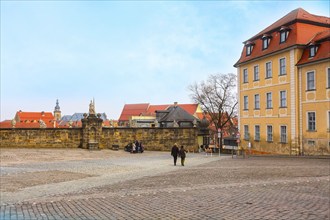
(218, 98)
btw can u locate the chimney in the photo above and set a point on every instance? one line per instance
(175, 104)
(42, 113)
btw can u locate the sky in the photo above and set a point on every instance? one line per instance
(123, 52)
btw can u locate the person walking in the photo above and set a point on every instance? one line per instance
(174, 153)
(182, 153)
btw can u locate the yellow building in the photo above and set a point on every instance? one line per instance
(314, 95)
(272, 106)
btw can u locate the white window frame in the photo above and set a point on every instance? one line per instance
(245, 75)
(283, 105)
(246, 132)
(282, 70)
(256, 73)
(271, 70)
(312, 51)
(285, 34)
(269, 102)
(307, 121)
(284, 136)
(249, 49)
(271, 133)
(245, 102)
(256, 101)
(307, 81)
(265, 43)
(256, 134)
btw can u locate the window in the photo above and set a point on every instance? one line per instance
(283, 36)
(265, 41)
(311, 143)
(284, 33)
(283, 134)
(245, 76)
(246, 132)
(310, 81)
(311, 122)
(328, 83)
(269, 133)
(256, 73)
(256, 101)
(282, 67)
(246, 103)
(249, 48)
(269, 100)
(312, 51)
(283, 99)
(269, 70)
(257, 132)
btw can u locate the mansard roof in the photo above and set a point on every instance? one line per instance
(322, 41)
(301, 26)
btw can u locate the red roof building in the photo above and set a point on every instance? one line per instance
(30, 120)
(145, 109)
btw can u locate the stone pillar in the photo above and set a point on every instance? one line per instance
(92, 130)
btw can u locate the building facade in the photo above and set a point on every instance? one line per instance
(271, 115)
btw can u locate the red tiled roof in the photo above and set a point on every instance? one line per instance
(153, 108)
(302, 25)
(146, 109)
(297, 14)
(190, 108)
(45, 116)
(322, 40)
(133, 110)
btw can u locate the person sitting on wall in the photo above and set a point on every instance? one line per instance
(141, 147)
(137, 145)
(133, 148)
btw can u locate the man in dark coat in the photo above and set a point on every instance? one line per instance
(174, 153)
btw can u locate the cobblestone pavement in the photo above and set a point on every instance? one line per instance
(117, 185)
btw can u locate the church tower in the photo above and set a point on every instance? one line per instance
(57, 111)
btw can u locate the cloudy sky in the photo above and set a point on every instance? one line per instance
(123, 52)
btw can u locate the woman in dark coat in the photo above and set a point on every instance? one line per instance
(174, 153)
(182, 153)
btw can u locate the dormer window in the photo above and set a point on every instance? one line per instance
(249, 47)
(265, 41)
(284, 33)
(312, 50)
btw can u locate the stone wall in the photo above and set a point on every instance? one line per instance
(41, 138)
(152, 138)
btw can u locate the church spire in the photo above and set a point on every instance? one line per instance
(57, 107)
(57, 111)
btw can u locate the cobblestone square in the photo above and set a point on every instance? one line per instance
(81, 184)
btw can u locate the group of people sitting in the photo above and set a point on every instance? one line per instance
(137, 147)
